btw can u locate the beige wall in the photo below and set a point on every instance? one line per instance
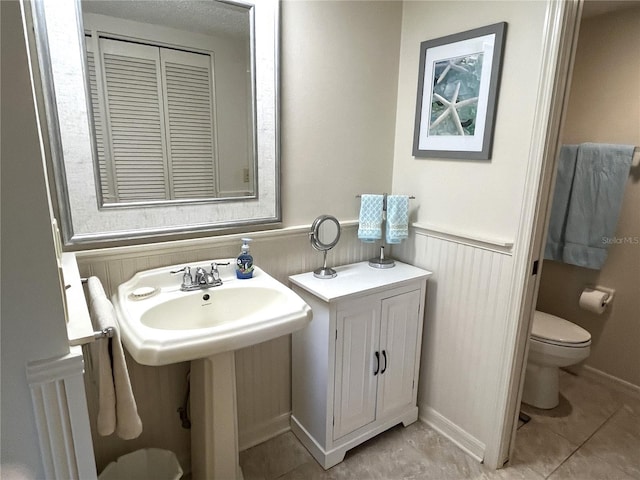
(605, 107)
(482, 198)
(339, 86)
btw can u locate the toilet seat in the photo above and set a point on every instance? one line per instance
(554, 330)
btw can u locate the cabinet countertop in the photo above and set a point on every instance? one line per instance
(357, 278)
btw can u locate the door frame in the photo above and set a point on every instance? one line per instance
(562, 24)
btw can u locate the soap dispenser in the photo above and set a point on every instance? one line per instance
(244, 264)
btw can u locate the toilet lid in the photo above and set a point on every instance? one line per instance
(547, 327)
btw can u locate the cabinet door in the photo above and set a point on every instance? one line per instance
(356, 371)
(398, 349)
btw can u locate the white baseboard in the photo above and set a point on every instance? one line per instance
(264, 431)
(460, 437)
(610, 381)
(324, 458)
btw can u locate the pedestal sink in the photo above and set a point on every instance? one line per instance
(160, 324)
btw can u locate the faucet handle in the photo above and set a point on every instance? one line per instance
(186, 278)
(214, 271)
(214, 267)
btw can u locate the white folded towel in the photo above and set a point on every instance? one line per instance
(117, 410)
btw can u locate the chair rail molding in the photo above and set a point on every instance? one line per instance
(497, 245)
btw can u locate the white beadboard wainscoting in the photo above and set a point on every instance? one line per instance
(57, 393)
(263, 371)
(465, 318)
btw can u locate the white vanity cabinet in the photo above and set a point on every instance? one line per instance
(355, 367)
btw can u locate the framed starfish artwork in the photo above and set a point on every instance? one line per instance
(458, 83)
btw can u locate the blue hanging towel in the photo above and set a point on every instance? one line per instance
(560, 206)
(370, 228)
(397, 218)
(596, 197)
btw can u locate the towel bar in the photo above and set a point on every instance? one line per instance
(384, 200)
(104, 333)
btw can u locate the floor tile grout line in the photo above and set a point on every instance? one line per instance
(596, 453)
(585, 441)
(598, 427)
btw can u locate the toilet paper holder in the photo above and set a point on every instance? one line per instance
(609, 291)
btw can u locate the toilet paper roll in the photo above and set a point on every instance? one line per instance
(593, 300)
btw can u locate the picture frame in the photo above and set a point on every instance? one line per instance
(458, 84)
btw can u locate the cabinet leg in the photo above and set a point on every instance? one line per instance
(410, 417)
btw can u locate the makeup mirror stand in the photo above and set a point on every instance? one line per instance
(324, 235)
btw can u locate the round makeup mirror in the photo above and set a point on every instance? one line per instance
(324, 235)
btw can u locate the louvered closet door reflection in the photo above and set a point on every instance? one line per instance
(134, 115)
(98, 123)
(189, 118)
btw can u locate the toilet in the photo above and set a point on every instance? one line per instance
(554, 343)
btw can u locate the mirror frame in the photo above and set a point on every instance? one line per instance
(314, 234)
(68, 141)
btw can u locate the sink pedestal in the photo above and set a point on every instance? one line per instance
(214, 418)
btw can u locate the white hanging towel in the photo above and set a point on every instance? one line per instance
(117, 409)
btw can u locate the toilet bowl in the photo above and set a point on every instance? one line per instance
(554, 343)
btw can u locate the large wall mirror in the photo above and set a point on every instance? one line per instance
(162, 115)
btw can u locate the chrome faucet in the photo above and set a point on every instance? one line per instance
(202, 280)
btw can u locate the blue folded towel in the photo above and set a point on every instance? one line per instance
(397, 218)
(596, 197)
(370, 228)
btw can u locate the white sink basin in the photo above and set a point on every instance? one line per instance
(172, 326)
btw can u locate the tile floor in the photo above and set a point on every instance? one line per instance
(593, 434)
